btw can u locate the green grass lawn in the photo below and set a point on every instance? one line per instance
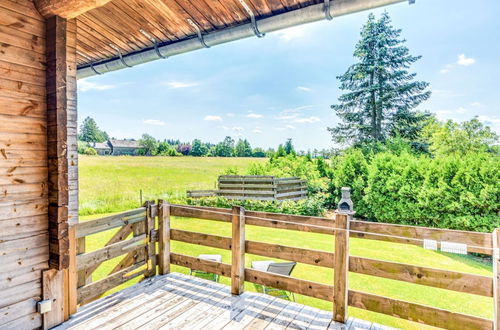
(112, 184)
(116, 180)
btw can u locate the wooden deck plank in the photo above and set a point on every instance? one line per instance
(168, 313)
(268, 314)
(185, 292)
(177, 301)
(286, 317)
(258, 304)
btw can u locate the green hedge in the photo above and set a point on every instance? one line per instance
(456, 192)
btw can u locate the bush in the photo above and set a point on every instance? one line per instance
(312, 206)
(90, 151)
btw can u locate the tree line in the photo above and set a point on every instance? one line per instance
(150, 146)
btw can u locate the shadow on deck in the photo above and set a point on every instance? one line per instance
(178, 301)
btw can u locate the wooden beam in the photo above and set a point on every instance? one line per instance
(57, 135)
(67, 8)
(208, 266)
(238, 250)
(341, 268)
(164, 237)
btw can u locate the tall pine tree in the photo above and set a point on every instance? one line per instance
(381, 93)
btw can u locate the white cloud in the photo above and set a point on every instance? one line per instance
(180, 84)
(230, 114)
(238, 129)
(461, 60)
(85, 85)
(476, 104)
(290, 126)
(310, 120)
(155, 122)
(257, 131)
(212, 118)
(464, 60)
(304, 89)
(491, 120)
(446, 68)
(461, 110)
(254, 115)
(292, 33)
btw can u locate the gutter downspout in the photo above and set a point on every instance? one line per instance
(296, 17)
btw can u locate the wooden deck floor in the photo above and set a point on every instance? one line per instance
(178, 301)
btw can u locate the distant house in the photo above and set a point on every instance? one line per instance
(102, 148)
(124, 147)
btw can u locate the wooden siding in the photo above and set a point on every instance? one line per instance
(24, 154)
(24, 248)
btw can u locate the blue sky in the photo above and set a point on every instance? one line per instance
(281, 86)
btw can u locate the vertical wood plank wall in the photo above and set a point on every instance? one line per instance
(24, 185)
(24, 250)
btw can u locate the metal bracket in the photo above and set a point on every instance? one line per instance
(198, 31)
(155, 43)
(120, 55)
(326, 9)
(90, 60)
(252, 19)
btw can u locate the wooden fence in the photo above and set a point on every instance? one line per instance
(256, 187)
(337, 292)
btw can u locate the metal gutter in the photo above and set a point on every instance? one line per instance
(296, 17)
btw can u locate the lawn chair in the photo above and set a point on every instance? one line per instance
(282, 268)
(210, 276)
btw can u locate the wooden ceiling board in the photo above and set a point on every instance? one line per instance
(103, 32)
(119, 22)
(149, 22)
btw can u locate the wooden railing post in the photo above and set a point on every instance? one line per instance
(238, 250)
(341, 268)
(164, 237)
(496, 278)
(151, 246)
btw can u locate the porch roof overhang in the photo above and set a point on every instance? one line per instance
(122, 33)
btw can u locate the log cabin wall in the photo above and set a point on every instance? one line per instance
(24, 162)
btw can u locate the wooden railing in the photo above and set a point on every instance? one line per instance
(132, 239)
(341, 262)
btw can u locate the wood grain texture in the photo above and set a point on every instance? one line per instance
(67, 8)
(417, 313)
(238, 250)
(24, 245)
(164, 237)
(53, 289)
(341, 268)
(200, 264)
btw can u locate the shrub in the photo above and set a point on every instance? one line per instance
(90, 151)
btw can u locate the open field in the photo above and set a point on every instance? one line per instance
(113, 184)
(180, 173)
